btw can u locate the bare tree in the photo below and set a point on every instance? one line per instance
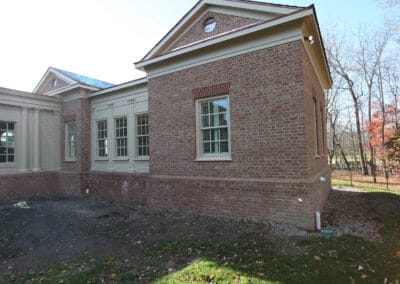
(339, 61)
(369, 56)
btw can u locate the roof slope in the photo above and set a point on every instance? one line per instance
(85, 80)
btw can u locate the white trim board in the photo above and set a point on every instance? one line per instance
(269, 40)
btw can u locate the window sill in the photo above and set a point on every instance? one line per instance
(101, 159)
(141, 158)
(214, 159)
(121, 159)
(69, 161)
(317, 157)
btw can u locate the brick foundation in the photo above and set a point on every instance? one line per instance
(13, 186)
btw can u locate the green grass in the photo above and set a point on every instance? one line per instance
(315, 260)
(369, 187)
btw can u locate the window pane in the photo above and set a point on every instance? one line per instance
(206, 147)
(204, 108)
(2, 158)
(222, 105)
(3, 125)
(222, 119)
(224, 133)
(206, 135)
(205, 121)
(10, 158)
(11, 126)
(214, 134)
(224, 147)
(212, 121)
(215, 147)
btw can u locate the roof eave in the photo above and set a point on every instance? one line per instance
(282, 20)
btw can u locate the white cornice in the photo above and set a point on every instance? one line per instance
(183, 51)
(28, 100)
(61, 91)
(203, 4)
(122, 86)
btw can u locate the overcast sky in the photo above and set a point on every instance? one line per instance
(102, 38)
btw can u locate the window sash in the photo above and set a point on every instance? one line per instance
(121, 137)
(214, 127)
(71, 141)
(102, 139)
(142, 135)
(7, 142)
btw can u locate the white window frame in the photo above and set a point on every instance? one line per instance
(201, 156)
(7, 163)
(98, 157)
(70, 141)
(137, 156)
(116, 157)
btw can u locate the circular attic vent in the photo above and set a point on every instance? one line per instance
(209, 25)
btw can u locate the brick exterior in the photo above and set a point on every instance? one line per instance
(266, 109)
(274, 173)
(72, 174)
(15, 186)
(225, 23)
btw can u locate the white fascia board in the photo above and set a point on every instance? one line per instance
(129, 84)
(266, 41)
(222, 3)
(69, 88)
(267, 25)
(257, 7)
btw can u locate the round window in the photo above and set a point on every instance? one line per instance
(209, 25)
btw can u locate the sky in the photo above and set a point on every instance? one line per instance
(103, 38)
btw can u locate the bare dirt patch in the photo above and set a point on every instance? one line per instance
(50, 232)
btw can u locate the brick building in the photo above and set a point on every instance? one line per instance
(228, 121)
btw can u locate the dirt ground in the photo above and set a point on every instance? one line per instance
(45, 232)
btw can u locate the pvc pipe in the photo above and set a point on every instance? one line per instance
(318, 220)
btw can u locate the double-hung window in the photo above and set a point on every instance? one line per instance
(70, 141)
(213, 129)
(121, 137)
(7, 143)
(102, 142)
(142, 136)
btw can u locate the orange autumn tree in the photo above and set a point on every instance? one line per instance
(381, 133)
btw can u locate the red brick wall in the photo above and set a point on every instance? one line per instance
(317, 165)
(122, 187)
(77, 111)
(266, 109)
(224, 23)
(14, 186)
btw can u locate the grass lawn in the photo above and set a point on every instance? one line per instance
(314, 259)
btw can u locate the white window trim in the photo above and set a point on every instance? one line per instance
(67, 158)
(11, 164)
(96, 133)
(137, 157)
(211, 157)
(115, 157)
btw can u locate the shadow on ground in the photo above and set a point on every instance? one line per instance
(86, 239)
